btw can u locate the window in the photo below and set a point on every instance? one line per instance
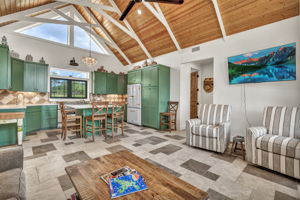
(82, 40)
(68, 88)
(53, 32)
(68, 73)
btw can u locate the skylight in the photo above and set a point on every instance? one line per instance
(53, 32)
(60, 33)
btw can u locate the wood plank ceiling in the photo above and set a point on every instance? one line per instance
(192, 23)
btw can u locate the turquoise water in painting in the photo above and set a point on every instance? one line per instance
(270, 73)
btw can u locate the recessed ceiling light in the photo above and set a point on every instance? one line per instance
(139, 11)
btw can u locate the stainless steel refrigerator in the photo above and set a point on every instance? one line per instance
(134, 106)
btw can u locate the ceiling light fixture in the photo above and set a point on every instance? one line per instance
(139, 11)
(89, 60)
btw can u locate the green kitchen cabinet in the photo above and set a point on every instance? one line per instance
(35, 77)
(135, 76)
(8, 134)
(155, 94)
(112, 84)
(99, 82)
(150, 76)
(122, 84)
(5, 69)
(17, 74)
(41, 117)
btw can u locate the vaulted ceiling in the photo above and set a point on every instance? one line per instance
(192, 23)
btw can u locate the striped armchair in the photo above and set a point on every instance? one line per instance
(212, 130)
(276, 145)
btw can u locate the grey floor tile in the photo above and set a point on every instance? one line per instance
(151, 140)
(175, 137)
(35, 156)
(214, 195)
(80, 155)
(49, 139)
(283, 196)
(196, 166)
(73, 137)
(43, 148)
(168, 149)
(145, 133)
(111, 140)
(69, 143)
(225, 157)
(271, 176)
(117, 148)
(31, 134)
(211, 175)
(164, 168)
(131, 131)
(53, 133)
(65, 182)
(137, 144)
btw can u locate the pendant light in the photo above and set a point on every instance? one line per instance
(89, 60)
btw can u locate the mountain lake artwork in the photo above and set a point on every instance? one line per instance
(268, 65)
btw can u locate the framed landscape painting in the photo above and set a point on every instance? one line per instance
(273, 64)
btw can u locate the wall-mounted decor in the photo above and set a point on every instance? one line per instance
(14, 54)
(4, 40)
(101, 69)
(208, 85)
(29, 58)
(273, 64)
(42, 60)
(73, 62)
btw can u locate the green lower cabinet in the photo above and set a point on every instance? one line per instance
(150, 116)
(8, 134)
(41, 117)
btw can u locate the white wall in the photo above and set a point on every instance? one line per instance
(57, 55)
(258, 95)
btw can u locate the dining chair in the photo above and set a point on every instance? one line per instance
(169, 118)
(99, 115)
(116, 117)
(70, 121)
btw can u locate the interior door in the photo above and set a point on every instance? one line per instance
(194, 95)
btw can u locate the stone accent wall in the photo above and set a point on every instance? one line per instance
(22, 98)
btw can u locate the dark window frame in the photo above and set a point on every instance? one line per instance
(69, 88)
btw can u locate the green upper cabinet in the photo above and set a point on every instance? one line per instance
(150, 76)
(99, 82)
(5, 69)
(122, 84)
(108, 83)
(135, 76)
(112, 84)
(35, 77)
(17, 74)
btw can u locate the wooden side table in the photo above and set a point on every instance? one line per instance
(238, 140)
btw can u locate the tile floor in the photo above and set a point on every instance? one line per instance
(224, 177)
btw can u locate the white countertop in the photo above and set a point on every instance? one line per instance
(84, 106)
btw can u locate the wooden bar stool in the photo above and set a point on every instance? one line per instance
(169, 118)
(99, 113)
(70, 121)
(117, 117)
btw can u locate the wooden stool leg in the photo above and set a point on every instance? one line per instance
(232, 148)
(243, 150)
(80, 127)
(112, 127)
(175, 123)
(93, 130)
(170, 123)
(122, 126)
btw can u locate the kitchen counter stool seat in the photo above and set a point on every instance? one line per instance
(70, 121)
(99, 114)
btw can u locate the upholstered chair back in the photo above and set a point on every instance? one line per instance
(214, 114)
(283, 121)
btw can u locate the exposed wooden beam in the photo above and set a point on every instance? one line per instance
(220, 20)
(107, 35)
(131, 29)
(115, 22)
(9, 17)
(90, 4)
(161, 17)
(81, 26)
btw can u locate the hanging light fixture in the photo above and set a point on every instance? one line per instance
(89, 60)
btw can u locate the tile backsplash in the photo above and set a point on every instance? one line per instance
(8, 97)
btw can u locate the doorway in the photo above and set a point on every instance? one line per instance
(194, 95)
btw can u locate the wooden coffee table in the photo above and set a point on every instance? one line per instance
(162, 185)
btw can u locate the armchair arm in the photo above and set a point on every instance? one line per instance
(11, 158)
(189, 125)
(252, 134)
(224, 136)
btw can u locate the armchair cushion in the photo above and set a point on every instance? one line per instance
(285, 146)
(12, 184)
(204, 130)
